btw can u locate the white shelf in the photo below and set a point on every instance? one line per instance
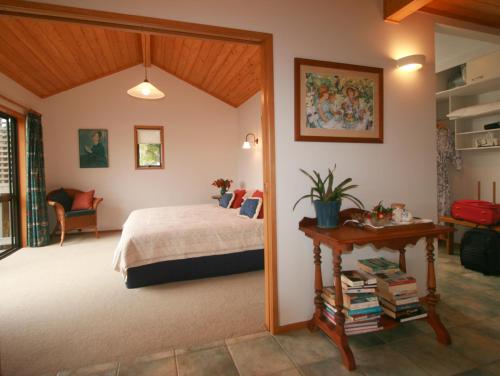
(485, 109)
(481, 131)
(482, 148)
(474, 88)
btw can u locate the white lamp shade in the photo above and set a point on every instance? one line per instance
(410, 63)
(145, 90)
(246, 145)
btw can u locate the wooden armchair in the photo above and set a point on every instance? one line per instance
(75, 220)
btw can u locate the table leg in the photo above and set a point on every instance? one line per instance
(402, 260)
(318, 288)
(450, 243)
(341, 337)
(432, 317)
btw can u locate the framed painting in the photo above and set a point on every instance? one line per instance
(337, 102)
(93, 148)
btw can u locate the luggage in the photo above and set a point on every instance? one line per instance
(480, 212)
(480, 251)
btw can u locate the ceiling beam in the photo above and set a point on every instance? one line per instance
(397, 10)
(146, 49)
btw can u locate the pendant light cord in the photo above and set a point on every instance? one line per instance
(145, 73)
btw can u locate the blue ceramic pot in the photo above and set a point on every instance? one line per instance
(327, 213)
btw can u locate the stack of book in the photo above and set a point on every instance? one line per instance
(361, 305)
(398, 296)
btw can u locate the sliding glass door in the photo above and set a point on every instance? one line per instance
(9, 198)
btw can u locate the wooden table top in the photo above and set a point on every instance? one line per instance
(348, 235)
(448, 219)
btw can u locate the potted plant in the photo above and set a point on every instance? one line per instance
(327, 199)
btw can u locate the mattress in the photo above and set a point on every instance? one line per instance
(181, 232)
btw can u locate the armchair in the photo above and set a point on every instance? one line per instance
(77, 219)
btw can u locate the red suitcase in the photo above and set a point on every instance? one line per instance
(476, 211)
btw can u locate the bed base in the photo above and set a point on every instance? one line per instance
(195, 268)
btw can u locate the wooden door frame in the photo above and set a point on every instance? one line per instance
(141, 24)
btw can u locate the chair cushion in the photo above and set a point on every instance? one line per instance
(61, 196)
(83, 200)
(78, 213)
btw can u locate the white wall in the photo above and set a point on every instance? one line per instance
(201, 140)
(401, 169)
(250, 171)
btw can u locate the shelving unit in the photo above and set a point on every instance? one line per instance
(467, 102)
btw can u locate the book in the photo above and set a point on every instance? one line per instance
(354, 312)
(357, 301)
(371, 307)
(398, 299)
(408, 315)
(396, 282)
(354, 290)
(378, 265)
(355, 278)
(399, 307)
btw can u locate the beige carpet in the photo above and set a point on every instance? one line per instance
(66, 308)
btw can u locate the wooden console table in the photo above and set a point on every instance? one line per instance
(342, 240)
(451, 222)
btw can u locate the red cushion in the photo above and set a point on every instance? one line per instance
(83, 200)
(238, 198)
(261, 195)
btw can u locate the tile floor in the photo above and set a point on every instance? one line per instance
(470, 308)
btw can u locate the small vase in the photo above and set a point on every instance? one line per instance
(327, 213)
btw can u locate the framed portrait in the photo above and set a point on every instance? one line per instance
(93, 148)
(337, 102)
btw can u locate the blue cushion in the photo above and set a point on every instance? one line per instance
(226, 200)
(77, 213)
(251, 207)
(61, 197)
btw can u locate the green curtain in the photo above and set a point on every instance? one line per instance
(36, 204)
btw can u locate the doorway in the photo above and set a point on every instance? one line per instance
(9, 197)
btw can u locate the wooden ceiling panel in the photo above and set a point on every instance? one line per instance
(484, 12)
(51, 57)
(48, 57)
(222, 69)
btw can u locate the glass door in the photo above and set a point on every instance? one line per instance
(9, 198)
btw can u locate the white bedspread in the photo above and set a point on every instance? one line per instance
(178, 232)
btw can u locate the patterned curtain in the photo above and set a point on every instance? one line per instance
(446, 155)
(36, 204)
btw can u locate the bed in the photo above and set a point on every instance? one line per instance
(177, 243)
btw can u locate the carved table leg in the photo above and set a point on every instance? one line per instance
(341, 338)
(318, 288)
(402, 260)
(432, 317)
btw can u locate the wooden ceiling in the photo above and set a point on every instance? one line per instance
(48, 57)
(483, 12)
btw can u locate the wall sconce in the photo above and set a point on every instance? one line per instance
(248, 144)
(410, 63)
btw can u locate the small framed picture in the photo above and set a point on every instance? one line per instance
(93, 147)
(337, 102)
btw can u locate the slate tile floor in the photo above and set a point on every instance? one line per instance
(470, 308)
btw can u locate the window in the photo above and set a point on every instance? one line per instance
(149, 149)
(9, 204)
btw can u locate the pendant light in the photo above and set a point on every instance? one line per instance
(145, 90)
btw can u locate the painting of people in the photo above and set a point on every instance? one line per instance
(93, 146)
(338, 102)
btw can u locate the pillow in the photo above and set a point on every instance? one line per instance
(83, 200)
(251, 207)
(61, 197)
(226, 200)
(260, 194)
(238, 198)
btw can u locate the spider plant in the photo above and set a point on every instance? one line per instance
(323, 190)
